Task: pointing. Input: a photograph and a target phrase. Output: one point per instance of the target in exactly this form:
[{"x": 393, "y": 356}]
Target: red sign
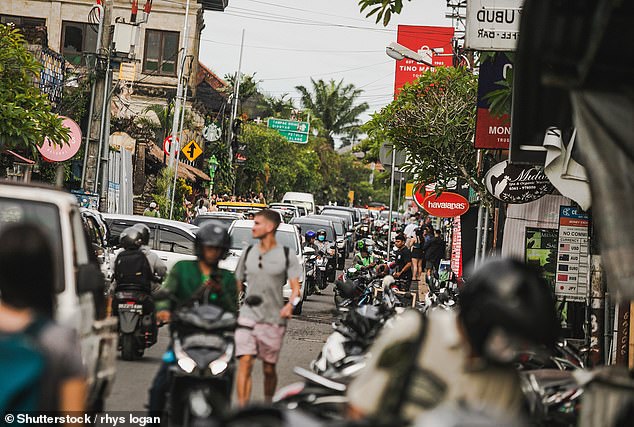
[
  {"x": 167, "y": 144},
  {"x": 420, "y": 192},
  {"x": 456, "y": 248},
  {"x": 446, "y": 205},
  {"x": 492, "y": 132},
  {"x": 420, "y": 39},
  {"x": 59, "y": 153}
]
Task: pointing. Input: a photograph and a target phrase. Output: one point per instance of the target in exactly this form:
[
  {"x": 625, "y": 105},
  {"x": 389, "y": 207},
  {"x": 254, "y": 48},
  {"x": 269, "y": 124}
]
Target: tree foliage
[
  {"x": 335, "y": 105},
  {"x": 25, "y": 113},
  {"x": 433, "y": 119},
  {"x": 383, "y": 9},
  {"x": 160, "y": 196}
]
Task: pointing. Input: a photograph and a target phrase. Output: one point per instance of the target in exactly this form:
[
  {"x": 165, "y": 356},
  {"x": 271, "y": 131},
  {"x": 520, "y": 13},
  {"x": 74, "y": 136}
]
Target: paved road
[{"x": 304, "y": 339}]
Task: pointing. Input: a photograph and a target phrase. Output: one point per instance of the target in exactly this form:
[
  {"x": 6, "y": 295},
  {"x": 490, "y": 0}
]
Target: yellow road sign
[{"x": 192, "y": 150}]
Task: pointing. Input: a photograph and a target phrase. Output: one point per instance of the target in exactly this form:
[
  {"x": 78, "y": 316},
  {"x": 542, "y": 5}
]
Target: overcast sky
[{"x": 289, "y": 41}]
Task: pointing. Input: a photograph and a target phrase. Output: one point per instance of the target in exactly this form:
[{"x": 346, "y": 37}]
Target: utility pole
[
  {"x": 179, "y": 89},
  {"x": 234, "y": 105},
  {"x": 97, "y": 122}
]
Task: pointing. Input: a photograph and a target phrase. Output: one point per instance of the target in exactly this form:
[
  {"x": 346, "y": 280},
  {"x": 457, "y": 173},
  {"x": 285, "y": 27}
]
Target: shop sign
[
  {"x": 60, "y": 153},
  {"x": 573, "y": 256},
  {"x": 492, "y": 132},
  {"x": 517, "y": 184},
  {"x": 493, "y": 24},
  {"x": 420, "y": 192},
  {"x": 446, "y": 205},
  {"x": 541, "y": 251}
]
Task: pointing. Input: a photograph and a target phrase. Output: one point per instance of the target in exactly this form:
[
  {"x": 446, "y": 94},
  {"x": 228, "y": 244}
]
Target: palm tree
[
  {"x": 280, "y": 107},
  {"x": 333, "y": 103},
  {"x": 165, "y": 116}
]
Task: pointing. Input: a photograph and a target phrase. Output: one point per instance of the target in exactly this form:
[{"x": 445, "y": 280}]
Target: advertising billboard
[
  {"x": 492, "y": 132},
  {"x": 420, "y": 39}
]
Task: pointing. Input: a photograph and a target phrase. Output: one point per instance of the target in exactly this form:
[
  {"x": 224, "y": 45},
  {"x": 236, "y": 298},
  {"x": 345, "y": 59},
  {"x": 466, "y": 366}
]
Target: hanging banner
[
  {"x": 573, "y": 256},
  {"x": 541, "y": 251},
  {"x": 492, "y": 24},
  {"x": 456, "y": 247},
  {"x": 421, "y": 39},
  {"x": 516, "y": 184},
  {"x": 492, "y": 132},
  {"x": 623, "y": 334}
]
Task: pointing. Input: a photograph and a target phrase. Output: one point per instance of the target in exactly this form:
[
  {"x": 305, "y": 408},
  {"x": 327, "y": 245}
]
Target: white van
[
  {"x": 79, "y": 283},
  {"x": 302, "y": 199}
]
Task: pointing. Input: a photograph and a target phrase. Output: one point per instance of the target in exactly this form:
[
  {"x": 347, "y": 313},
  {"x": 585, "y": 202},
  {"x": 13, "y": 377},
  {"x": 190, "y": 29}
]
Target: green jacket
[{"x": 185, "y": 278}]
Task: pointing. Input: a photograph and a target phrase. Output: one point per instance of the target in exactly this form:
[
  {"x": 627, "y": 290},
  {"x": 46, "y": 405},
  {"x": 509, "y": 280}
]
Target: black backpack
[{"x": 132, "y": 268}]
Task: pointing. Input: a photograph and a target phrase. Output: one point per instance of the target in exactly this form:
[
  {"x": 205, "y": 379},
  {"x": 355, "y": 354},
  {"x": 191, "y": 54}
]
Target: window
[
  {"x": 78, "y": 38},
  {"x": 20, "y": 21},
  {"x": 160, "y": 53},
  {"x": 175, "y": 242}
]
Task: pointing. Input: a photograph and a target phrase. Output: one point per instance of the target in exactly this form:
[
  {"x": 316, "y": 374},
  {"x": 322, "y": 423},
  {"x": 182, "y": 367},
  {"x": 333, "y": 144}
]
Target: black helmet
[
  {"x": 321, "y": 232},
  {"x": 145, "y": 232},
  {"x": 211, "y": 234},
  {"x": 131, "y": 238},
  {"x": 505, "y": 305}
]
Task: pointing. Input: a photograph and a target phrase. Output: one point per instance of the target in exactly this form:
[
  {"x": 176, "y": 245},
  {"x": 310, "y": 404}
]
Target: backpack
[
  {"x": 286, "y": 252},
  {"x": 23, "y": 368},
  {"x": 133, "y": 268}
]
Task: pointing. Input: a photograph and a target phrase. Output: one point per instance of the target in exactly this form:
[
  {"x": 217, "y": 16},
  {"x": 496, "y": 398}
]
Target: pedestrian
[
  {"x": 152, "y": 210},
  {"x": 189, "y": 213},
  {"x": 403, "y": 262},
  {"x": 213, "y": 207},
  {"x": 262, "y": 199},
  {"x": 201, "y": 208},
  {"x": 198, "y": 281},
  {"x": 40, "y": 361},
  {"x": 266, "y": 267},
  {"x": 417, "y": 262},
  {"x": 434, "y": 250}
]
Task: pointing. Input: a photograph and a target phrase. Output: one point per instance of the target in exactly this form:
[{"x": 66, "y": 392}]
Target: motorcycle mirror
[
  {"x": 309, "y": 251},
  {"x": 253, "y": 300}
]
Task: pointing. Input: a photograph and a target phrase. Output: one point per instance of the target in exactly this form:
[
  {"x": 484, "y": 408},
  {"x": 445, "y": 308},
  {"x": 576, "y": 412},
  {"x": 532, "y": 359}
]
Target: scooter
[
  {"x": 134, "y": 307},
  {"x": 310, "y": 261}
]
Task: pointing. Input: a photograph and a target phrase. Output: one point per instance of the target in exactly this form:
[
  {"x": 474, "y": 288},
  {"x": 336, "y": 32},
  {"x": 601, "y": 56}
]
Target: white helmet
[{"x": 153, "y": 205}]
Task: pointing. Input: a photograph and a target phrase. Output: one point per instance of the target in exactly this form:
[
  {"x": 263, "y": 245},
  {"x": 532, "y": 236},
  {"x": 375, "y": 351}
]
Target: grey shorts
[{"x": 263, "y": 340}]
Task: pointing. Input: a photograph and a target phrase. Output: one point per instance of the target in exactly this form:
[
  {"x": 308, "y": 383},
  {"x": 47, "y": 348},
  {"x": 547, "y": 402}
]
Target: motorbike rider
[
  {"x": 158, "y": 266},
  {"x": 322, "y": 244},
  {"x": 309, "y": 240},
  {"x": 131, "y": 241},
  {"x": 363, "y": 259},
  {"x": 463, "y": 357},
  {"x": 403, "y": 262},
  {"x": 198, "y": 280}
]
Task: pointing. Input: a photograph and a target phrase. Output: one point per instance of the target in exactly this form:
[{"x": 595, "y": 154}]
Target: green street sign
[
  {"x": 292, "y": 130},
  {"x": 300, "y": 138}
]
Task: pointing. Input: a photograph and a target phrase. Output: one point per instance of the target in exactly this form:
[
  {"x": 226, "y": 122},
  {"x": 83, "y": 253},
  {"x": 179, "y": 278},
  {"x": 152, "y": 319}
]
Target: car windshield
[
  {"x": 241, "y": 237},
  {"x": 307, "y": 225},
  {"x": 339, "y": 228}
]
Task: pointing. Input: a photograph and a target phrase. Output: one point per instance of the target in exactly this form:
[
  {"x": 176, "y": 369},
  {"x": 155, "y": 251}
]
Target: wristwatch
[{"x": 295, "y": 301}]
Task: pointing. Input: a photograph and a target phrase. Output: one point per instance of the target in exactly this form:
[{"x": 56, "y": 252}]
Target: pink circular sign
[{"x": 56, "y": 153}]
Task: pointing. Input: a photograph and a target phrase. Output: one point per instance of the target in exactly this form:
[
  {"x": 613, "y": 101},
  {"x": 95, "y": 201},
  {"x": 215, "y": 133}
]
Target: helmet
[
  {"x": 210, "y": 234},
  {"x": 131, "y": 238},
  {"x": 310, "y": 234},
  {"x": 321, "y": 235},
  {"x": 152, "y": 205},
  {"x": 505, "y": 305},
  {"x": 362, "y": 246},
  {"x": 145, "y": 232}
]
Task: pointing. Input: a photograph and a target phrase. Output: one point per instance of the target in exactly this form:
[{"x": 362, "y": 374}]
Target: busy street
[{"x": 299, "y": 213}]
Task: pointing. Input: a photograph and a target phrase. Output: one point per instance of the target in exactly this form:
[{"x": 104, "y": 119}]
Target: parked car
[
  {"x": 356, "y": 212},
  {"x": 173, "y": 241},
  {"x": 223, "y": 218},
  {"x": 283, "y": 208},
  {"x": 301, "y": 199},
  {"x": 79, "y": 285},
  {"x": 287, "y": 235},
  {"x": 97, "y": 231}
]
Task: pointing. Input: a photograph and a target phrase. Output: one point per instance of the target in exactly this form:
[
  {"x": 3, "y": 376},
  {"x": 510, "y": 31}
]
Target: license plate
[
  {"x": 322, "y": 268},
  {"x": 131, "y": 307}
]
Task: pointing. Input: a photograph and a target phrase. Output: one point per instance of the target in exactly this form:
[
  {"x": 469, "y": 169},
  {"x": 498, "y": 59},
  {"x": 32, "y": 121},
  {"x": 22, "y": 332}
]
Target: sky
[{"x": 289, "y": 41}]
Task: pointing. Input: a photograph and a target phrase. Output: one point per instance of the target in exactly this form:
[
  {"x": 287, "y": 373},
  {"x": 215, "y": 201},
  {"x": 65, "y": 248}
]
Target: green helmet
[{"x": 362, "y": 246}]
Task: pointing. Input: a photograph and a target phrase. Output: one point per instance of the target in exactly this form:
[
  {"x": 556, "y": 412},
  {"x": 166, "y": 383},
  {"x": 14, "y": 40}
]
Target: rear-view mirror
[{"x": 309, "y": 251}]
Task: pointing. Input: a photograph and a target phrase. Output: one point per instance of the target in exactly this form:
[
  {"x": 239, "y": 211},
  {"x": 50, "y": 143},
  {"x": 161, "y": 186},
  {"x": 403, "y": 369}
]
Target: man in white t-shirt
[{"x": 201, "y": 208}]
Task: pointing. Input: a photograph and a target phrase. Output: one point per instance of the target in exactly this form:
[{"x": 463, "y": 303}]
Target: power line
[
  {"x": 329, "y": 73},
  {"x": 295, "y": 50}
]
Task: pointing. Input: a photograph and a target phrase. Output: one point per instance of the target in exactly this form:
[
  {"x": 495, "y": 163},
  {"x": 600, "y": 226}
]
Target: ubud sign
[
  {"x": 446, "y": 205},
  {"x": 517, "y": 184}
]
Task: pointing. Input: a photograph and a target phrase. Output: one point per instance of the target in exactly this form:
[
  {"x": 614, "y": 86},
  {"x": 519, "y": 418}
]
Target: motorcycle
[
  {"x": 354, "y": 288},
  {"x": 321, "y": 272},
  {"x": 202, "y": 352},
  {"x": 134, "y": 307},
  {"x": 310, "y": 261}
]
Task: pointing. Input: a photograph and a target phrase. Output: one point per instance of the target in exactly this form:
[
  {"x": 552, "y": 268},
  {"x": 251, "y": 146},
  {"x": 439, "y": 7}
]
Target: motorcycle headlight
[{"x": 218, "y": 366}]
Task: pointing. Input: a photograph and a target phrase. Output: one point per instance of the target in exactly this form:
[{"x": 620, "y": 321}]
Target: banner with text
[
  {"x": 419, "y": 39},
  {"x": 573, "y": 256},
  {"x": 492, "y": 132}
]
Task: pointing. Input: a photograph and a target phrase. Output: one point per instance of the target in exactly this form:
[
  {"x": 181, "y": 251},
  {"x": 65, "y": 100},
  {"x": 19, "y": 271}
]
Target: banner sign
[
  {"x": 573, "y": 256},
  {"x": 419, "y": 39},
  {"x": 492, "y": 132},
  {"x": 541, "y": 251},
  {"x": 493, "y": 24},
  {"x": 517, "y": 184},
  {"x": 456, "y": 247},
  {"x": 446, "y": 205}
]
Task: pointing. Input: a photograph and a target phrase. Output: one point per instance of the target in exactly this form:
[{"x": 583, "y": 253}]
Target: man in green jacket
[{"x": 200, "y": 280}]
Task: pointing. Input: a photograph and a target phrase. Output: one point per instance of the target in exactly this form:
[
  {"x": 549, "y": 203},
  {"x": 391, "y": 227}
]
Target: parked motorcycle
[{"x": 355, "y": 288}]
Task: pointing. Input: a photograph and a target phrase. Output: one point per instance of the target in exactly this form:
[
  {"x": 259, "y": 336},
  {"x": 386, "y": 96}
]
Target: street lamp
[
  {"x": 399, "y": 52},
  {"x": 213, "y": 167}
]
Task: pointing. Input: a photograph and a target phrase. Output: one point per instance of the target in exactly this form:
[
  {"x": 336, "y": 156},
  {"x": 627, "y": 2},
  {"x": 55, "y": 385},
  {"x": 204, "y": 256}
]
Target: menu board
[{"x": 573, "y": 257}]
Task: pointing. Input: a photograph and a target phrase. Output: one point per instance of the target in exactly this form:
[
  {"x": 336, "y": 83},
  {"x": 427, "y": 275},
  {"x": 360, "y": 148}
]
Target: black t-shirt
[{"x": 403, "y": 256}]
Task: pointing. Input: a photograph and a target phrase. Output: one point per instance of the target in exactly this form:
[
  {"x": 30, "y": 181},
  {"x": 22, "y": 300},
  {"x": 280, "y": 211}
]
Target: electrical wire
[
  {"x": 347, "y": 52},
  {"x": 328, "y": 73}
]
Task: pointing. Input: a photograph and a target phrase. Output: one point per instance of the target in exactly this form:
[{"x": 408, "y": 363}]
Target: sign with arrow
[{"x": 192, "y": 150}]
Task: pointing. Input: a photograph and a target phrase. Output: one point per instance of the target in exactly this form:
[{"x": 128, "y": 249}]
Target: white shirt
[
  {"x": 410, "y": 229},
  {"x": 200, "y": 210}
]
